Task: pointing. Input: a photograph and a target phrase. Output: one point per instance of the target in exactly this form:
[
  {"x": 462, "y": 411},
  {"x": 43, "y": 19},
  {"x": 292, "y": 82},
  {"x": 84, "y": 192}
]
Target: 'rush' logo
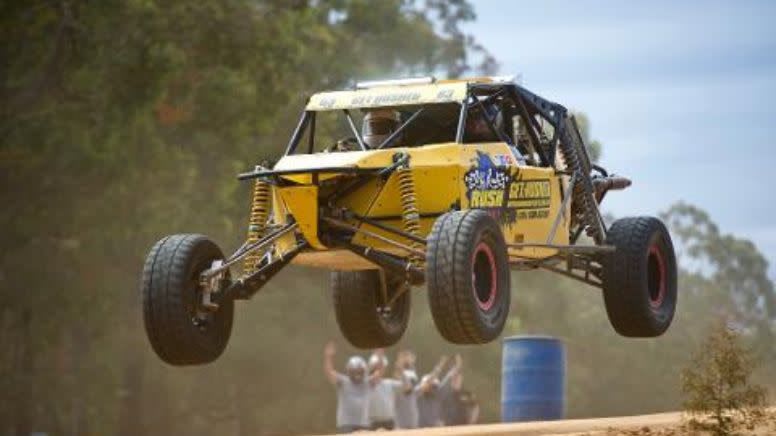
[{"x": 488, "y": 198}]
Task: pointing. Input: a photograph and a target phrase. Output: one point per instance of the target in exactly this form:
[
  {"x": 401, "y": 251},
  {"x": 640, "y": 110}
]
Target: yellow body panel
[
  {"x": 302, "y": 203},
  {"x": 280, "y": 215},
  {"x": 523, "y": 199}
]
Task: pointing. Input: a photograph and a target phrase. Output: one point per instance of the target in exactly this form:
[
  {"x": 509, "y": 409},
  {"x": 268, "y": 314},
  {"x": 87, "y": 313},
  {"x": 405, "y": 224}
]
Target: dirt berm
[{"x": 592, "y": 426}]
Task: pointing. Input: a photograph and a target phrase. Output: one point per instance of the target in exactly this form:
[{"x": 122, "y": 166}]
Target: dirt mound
[{"x": 659, "y": 424}]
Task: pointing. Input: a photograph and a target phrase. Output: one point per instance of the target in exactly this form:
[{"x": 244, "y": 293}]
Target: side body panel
[{"x": 523, "y": 199}]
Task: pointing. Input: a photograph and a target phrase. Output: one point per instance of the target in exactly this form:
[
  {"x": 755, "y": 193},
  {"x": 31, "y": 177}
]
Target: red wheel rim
[
  {"x": 484, "y": 284},
  {"x": 656, "y": 269}
]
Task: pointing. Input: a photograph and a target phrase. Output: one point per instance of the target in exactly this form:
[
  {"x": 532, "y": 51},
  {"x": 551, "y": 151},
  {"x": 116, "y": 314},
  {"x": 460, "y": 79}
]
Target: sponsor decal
[
  {"x": 495, "y": 187},
  {"x": 529, "y": 193},
  {"x": 389, "y": 96},
  {"x": 387, "y": 99},
  {"x": 327, "y": 102},
  {"x": 486, "y": 183},
  {"x": 504, "y": 159}
]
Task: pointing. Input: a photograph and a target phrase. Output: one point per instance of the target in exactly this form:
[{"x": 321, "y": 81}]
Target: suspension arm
[
  {"x": 258, "y": 245},
  {"x": 245, "y": 287},
  {"x": 389, "y": 262},
  {"x": 345, "y": 226}
]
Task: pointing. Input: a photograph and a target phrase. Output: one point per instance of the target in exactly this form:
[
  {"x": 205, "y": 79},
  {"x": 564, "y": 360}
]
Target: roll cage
[
  {"x": 530, "y": 144},
  {"x": 542, "y": 128}
]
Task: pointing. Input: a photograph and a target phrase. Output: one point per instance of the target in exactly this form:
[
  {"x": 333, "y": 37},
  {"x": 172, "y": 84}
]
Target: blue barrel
[{"x": 533, "y": 379}]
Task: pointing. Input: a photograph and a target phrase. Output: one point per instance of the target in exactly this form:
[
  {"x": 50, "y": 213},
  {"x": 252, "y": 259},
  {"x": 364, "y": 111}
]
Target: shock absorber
[
  {"x": 584, "y": 207},
  {"x": 409, "y": 208},
  {"x": 257, "y": 223}
]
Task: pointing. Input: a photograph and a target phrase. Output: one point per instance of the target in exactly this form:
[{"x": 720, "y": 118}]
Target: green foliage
[
  {"x": 716, "y": 383},
  {"x": 735, "y": 271},
  {"x": 126, "y": 120},
  {"x": 594, "y": 147}
]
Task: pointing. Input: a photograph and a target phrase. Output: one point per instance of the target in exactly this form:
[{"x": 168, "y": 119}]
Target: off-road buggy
[{"x": 440, "y": 202}]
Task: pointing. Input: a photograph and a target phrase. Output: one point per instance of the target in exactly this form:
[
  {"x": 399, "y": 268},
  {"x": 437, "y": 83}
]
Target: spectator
[
  {"x": 459, "y": 406},
  {"x": 432, "y": 391},
  {"x": 352, "y": 391},
  {"x": 382, "y": 411},
  {"x": 405, "y": 360},
  {"x": 406, "y": 397},
  {"x": 406, "y": 400}
]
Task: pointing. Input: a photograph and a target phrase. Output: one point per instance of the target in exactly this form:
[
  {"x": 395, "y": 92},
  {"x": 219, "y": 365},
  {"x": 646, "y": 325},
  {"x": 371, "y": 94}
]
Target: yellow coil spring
[
  {"x": 409, "y": 205},
  {"x": 257, "y": 223}
]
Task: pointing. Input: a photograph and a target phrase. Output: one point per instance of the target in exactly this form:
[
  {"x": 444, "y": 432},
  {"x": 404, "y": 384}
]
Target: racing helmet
[
  {"x": 378, "y": 125},
  {"x": 477, "y": 126},
  {"x": 356, "y": 368}
]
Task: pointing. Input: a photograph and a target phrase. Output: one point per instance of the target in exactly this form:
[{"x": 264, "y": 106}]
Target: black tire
[
  {"x": 467, "y": 274},
  {"x": 171, "y": 302},
  {"x": 639, "y": 278},
  {"x": 357, "y": 298}
]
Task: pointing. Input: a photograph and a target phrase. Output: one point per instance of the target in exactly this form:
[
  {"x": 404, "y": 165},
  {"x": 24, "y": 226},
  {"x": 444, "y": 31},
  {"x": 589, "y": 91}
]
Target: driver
[
  {"x": 378, "y": 126},
  {"x": 478, "y": 128}
]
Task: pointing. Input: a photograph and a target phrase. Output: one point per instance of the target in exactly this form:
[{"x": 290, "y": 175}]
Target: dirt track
[
  {"x": 642, "y": 425},
  {"x": 593, "y": 426}
]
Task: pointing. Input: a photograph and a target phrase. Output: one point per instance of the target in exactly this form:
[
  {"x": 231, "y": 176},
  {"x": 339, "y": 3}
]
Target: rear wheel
[
  {"x": 362, "y": 314},
  {"x": 467, "y": 273},
  {"x": 639, "y": 278},
  {"x": 180, "y": 329}
]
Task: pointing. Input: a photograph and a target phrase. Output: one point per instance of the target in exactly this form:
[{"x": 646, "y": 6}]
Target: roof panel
[{"x": 389, "y": 96}]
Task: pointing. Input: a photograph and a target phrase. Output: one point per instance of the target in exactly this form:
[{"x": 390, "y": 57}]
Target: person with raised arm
[
  {"x": 406, "y": 399},
  {"x": 432, "y": 392},
  {"x": 352, "y": 390},
  {"x": 459, "y": 405},
  {"x": 382, "y": 393}
]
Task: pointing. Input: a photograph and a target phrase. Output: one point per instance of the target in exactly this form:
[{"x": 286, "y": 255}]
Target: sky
[{"x": 681, "y": 94}]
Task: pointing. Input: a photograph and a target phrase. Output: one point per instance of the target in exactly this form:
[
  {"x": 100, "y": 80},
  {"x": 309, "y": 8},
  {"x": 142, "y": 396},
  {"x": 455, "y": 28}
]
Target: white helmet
[
  {"x": 377, "y": 359},
  {"x": 378, "y": 125},
  {"x": 410, "y": 377},
  {"x": 356, "y": 368},
  {"x": 355, "y": 362}
]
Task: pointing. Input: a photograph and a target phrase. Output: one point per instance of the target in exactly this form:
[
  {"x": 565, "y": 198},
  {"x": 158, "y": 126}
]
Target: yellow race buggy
[{"x": 451, "y": 184}]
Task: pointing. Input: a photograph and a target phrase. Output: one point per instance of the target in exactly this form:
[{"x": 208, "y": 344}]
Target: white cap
[
  {"x": 376, "y": 359},
  {"x": 356, "y": 362},
  {"x": 410, "y": 376}
]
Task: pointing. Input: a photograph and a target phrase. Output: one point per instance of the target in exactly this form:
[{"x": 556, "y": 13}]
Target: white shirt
[
  {"x": 352, "y": 402},
  {"x": 381, "y": 400}
]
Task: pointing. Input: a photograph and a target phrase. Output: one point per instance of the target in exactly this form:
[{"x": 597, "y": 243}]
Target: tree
[
  {"x": 123, "y": 121},
  {"x": 736, "y": 271},
  {"x": 716, "y": 382},
  {"x": 594, "y": 146},
  {"x": 127, "y": 120}
]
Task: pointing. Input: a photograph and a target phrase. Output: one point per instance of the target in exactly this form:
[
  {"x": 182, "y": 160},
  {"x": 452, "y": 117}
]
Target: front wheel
[
  {"x": 180, "y": 330},
  {"x": 639, "y": 277},
  {"x": 467, "y": 273}
]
